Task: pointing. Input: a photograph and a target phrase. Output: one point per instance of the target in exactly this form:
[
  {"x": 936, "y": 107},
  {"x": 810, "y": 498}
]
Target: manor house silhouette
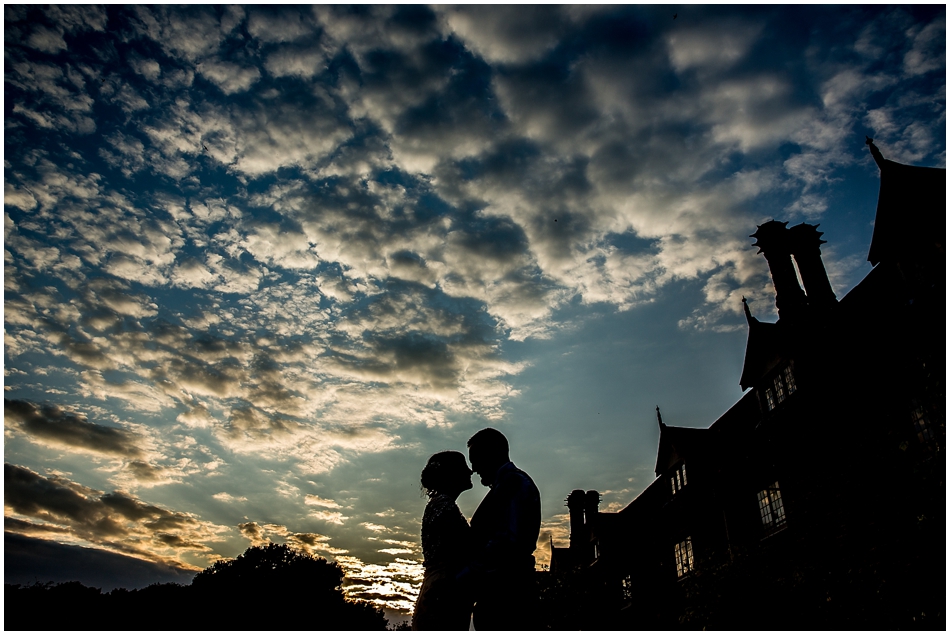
[{"x": 818, "y": 499}]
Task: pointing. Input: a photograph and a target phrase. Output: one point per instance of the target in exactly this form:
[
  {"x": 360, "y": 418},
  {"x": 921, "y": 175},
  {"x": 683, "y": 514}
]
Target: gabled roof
[
  {"x": 679, "y": 443},
  {"x": 911, "y": 209},
  {"x": 762, "y": 349}
]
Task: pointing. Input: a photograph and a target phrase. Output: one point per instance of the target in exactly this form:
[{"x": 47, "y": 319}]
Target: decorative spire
[
  {"x": 748, "y": 313},
  {"x": 878, "y": 157},
  {"x": 659, "y": 417}
]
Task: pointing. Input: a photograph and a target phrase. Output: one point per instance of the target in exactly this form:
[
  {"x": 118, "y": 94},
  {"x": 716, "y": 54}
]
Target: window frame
[
  {"x": 684, "y": 558},
  {"x": 922, "y": 424},
  {"x": 678, "y": 479},
  {"x": 772, "y": 512},
  {"x": 778, "y": 387}
]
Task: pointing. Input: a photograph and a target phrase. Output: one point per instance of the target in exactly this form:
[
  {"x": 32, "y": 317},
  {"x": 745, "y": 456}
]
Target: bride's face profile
[
  {"x": 465, "y": 475},
  {"x": 459, "y": 478},
  {"x": 447, "y": 473}
]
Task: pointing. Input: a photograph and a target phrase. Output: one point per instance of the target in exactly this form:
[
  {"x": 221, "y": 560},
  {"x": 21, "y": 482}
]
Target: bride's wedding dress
[{"x": 442, "y": 606}]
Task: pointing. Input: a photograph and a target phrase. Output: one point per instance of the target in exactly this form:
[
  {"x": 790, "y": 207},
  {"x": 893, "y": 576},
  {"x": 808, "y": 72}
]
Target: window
[
  {"x": 780, "y": 388},
  {"x": 678, "y": 480},
  {"x": 921, "y": 423},
  {"x": 627, "y": 587},
  {"x": 684, "y": 557},
  {"x": 771, "y": 508}
]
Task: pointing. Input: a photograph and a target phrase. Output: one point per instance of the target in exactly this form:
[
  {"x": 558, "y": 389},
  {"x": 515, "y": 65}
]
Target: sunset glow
[{"x": 260, "y": 263}]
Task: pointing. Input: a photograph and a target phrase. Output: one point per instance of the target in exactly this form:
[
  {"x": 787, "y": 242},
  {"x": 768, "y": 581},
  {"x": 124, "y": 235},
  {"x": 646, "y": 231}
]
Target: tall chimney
[
  {"x": 579, "y": 535},
  {"x": 805, "y": 242},
  {"x": 773, "y": 242},
  {"x": 591, "y": 506}
]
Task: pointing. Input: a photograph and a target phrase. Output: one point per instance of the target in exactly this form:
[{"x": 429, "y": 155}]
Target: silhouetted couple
[{"x": 488, "y": 565}]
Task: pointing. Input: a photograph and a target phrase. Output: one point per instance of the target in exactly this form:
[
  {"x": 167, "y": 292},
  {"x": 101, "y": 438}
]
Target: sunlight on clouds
[
  {"x": 316, "y": 501},
  {"x": 298, "y": 242},
  {"x": 374, "y": 527},
  {"x": 224, "y": 497},
  {"x": 114, "y": 521},
  {"x": 394, "y": 585},
  {"x": 336, "y": 518}
]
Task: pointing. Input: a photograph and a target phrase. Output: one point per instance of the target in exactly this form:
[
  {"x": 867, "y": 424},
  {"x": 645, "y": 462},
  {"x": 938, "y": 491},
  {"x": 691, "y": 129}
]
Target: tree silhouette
[
  {"x": 271, "y": 587},
  {"x": 308, "y": 590}
]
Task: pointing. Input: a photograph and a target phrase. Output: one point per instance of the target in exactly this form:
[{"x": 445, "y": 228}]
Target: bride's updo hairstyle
[{"x": 441, "y": 470}]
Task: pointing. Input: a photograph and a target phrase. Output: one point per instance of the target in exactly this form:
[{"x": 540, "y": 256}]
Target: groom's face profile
[{"x": 483, "y": 464}]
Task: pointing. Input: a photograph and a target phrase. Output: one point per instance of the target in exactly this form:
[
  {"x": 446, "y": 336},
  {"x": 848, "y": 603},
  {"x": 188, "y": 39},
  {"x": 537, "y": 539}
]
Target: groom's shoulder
[{"x": 515, "y": 477}]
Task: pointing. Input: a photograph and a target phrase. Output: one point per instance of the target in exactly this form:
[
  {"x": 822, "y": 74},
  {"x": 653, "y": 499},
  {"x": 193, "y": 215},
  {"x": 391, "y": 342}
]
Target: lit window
[
  {"x": 678, "y": 480},
  {"x": 779, "y": 383},
  {"x": 789, "y": 379},
  {"x": 684, "y": 557},
  {"x": 782, "y": 386},
  {"x": 771, "y": 508},
  {"x": 921, "y": 422},
  {"x": 627, "y": 587}
]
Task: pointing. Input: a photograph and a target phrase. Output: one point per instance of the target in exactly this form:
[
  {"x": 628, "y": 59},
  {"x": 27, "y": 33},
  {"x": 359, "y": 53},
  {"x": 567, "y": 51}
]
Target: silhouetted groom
[{"x": 505, "y": 531}]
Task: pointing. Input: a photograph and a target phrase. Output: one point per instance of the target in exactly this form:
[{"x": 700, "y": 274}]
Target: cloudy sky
[{"x": 261, "y": 263}]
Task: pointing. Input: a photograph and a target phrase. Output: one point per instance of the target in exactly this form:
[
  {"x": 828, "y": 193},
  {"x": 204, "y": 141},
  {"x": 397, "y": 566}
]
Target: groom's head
[{"x": 487, "y": 451}]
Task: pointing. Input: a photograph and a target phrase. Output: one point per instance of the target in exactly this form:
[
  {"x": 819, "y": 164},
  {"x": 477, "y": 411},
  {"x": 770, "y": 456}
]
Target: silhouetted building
[{"x": 818, "y": 499}]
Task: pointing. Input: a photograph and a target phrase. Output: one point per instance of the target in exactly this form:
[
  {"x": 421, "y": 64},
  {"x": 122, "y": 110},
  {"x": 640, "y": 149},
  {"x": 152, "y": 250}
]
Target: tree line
[{"x": 270, "y": 587}]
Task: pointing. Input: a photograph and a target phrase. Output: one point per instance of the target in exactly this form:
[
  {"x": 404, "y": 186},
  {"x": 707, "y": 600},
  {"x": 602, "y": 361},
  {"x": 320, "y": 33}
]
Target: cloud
[
  {"x": 507, "y": 35},
  {"x": 188, "y": 35},
  {"x": 928, "y": 52},
  {"x": 46, "y": 40},
  {"x": 287, "y": 25},
  {"x": 114, "y": 521},
  {"x": 394, "y": 585},
  {"x": 335, "y": 518},
  {"x": 716, "y": 45},
  {"x": 308, "y": 542},
  {"x": 150, "y": 69},
  {"x": 374, "y": 527},
  {"x": 254, "y": 533},
  {"x": 51, "y": 424},
  {"x": 76, "y": 18},
  {"x": 229, "y": 77},
  {"x": 296, "y": 62},
  {"x": 317, "y": 501},
  {"x": 224, "y": 497},
  {"x": 326, "y": 247}
]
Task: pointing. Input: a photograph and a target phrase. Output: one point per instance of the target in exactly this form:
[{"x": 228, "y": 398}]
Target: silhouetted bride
[{"x": 442, "y": 605}]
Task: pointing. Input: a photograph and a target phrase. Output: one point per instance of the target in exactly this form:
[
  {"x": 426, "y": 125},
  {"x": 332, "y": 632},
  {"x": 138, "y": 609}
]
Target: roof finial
[
  {"x": 659, "y": 417},
  {"x": 748, "y": 313},
  {"x": 878, "y": 157}
]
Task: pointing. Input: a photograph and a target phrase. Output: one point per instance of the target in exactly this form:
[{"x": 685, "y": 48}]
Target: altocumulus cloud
[{"x": 263, "y": 251}]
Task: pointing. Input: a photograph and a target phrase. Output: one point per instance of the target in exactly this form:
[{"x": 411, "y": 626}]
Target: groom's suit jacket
[{"x": 506, "y": 525}]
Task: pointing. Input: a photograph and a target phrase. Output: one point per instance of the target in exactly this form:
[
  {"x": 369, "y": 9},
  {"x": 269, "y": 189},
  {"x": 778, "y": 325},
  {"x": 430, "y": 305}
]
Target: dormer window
[
  {"x": 779, "y": 388},
  {"x": 678, "y": 480}
]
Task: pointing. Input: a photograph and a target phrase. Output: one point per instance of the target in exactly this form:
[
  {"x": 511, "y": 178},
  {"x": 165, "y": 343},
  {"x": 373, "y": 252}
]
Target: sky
[{"x": 261, "y": 262}]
